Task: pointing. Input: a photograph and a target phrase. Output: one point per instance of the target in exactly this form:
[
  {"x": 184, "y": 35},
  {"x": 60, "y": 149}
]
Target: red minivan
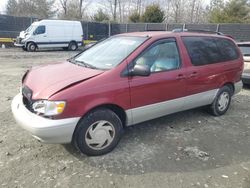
[{"x": 124, "y": 80}]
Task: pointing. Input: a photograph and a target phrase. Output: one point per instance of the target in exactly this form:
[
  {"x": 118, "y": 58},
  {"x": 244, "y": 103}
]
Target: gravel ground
[{"x": 187, "y": 149}]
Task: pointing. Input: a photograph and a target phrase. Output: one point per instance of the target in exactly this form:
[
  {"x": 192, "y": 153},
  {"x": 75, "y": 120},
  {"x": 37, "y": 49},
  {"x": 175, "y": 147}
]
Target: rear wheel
[
  {"x": 31, "y": 47},
  {"x": 72, "y": 46},
  {"x": 98, "y": 132},
  {"x": 222, "y": 101}
]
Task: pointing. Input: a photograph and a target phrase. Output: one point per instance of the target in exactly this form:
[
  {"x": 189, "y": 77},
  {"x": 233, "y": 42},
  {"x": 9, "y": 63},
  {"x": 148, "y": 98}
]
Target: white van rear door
[{"x": 77, "y": 33}]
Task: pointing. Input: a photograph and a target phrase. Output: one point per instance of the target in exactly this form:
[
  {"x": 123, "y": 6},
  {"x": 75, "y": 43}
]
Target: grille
[
  {"x": 27, "y": 97},
  {"x": 27, "y": 103},
  {"x": 18, "y": 40}
]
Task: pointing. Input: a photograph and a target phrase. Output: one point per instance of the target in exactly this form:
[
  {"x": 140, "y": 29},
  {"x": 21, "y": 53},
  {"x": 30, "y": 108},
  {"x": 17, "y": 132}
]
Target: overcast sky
[{"x": 2, "y": 5}]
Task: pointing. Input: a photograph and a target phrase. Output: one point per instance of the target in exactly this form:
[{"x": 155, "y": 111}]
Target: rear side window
[
  {"x": 209, "y": 50},
  {"x": 227, "y": 49}
]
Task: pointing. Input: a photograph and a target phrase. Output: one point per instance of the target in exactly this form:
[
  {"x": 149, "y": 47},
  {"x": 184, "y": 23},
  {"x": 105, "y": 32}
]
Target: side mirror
[{"x": 140, "y": 70}]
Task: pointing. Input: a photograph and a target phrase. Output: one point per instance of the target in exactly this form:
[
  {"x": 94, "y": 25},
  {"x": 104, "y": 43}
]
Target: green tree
[
  {"x": 216, "y": 11},
  {"x": 234, "y": 11},
  {"x": 100, "y": 16},
  {"x": 153, "y": 14},
  {"x": 237, "y": 11},
  {"x": 134, "y": 17}
]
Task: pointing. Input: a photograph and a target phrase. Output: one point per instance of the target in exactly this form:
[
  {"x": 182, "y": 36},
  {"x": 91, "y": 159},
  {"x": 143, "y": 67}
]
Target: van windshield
[
  {"x": 110, "y": 52},
  {"x": 29, "y": 29}
]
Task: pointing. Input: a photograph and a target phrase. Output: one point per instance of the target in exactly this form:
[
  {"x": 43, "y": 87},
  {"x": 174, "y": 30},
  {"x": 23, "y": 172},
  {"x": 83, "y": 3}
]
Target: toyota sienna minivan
[{"x": 124, "y": 80}]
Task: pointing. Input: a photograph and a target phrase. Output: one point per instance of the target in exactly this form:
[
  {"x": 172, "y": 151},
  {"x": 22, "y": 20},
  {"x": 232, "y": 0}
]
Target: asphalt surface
[{"x": 187, "y": 149}]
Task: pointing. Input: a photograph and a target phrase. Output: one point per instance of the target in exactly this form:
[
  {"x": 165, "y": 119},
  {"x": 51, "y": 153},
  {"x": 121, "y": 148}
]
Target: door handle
[
  {"x": 193, "y": 74},
  {"x": 181, "y": 77}
]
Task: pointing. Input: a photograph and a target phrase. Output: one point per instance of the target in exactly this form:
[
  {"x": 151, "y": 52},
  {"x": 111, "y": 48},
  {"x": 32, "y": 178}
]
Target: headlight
[
  {"x": 49, "y": 108},
  {"x": 23, "y": 39}
]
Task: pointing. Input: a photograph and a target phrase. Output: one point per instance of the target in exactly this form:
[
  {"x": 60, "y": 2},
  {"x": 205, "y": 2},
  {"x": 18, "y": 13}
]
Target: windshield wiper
[
  {"x": 89, "y": 65},
  {"x": 82, "y": 63}
]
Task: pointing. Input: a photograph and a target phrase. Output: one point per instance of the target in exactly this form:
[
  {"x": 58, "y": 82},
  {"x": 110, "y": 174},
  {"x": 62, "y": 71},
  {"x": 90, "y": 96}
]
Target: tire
[
  {"x": 221, "y": 102},
  {"x": 31, "y": 47},
  {"x": 72, "y": 46},
  {"x": 24, "y": 48},
  {"x": 98, "y": 132}
]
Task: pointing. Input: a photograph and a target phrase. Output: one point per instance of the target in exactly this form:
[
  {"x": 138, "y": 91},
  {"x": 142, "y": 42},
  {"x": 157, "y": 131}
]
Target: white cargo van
[{"x": 51, "y": 34}]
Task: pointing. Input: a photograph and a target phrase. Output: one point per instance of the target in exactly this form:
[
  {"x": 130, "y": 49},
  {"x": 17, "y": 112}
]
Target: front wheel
[
  {"x": 24, "y": 48},
  {"x": 98, "y": 132},
  {"x": 31, "y": 47},
  {"x": 221, "y": 102}
]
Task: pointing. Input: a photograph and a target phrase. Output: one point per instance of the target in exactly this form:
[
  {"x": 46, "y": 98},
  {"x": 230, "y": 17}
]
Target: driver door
[
  {"x": 160, "y": 93},
  {"x": 40, "y": 36}
]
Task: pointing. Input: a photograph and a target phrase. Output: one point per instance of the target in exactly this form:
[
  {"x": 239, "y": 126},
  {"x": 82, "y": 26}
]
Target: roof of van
[{"x": 57, "y": 21}]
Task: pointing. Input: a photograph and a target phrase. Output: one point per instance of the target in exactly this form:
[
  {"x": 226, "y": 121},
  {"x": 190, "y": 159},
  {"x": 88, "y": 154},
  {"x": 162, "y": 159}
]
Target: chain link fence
[{"x": 10, "y": 27}]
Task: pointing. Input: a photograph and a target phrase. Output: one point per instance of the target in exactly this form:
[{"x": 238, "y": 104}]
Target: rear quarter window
[
  {"x": 227, "y": 49},
  {"x": 210, "y": 50}
]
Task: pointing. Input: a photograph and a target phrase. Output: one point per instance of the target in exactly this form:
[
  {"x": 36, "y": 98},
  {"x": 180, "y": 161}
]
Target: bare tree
[
  {"x": 177, "y": 10},
  {"x": 74, "y": 9},
  {"x": 120, "y": 11},
  {"x": 80, "y": 8},
  {"x": 183, "y": 11},
  {"x": 200, "y": 13},
  {"x": 11, "y": 7},
  {"x": 113, "y": 8},
  {"x": 138, "y": 6},
  {"x": 193, "y": 5},
  {"x": 195, "y": 14},
  {"x": 64, "y": 6},
  {"x": 35, "y": 8}
]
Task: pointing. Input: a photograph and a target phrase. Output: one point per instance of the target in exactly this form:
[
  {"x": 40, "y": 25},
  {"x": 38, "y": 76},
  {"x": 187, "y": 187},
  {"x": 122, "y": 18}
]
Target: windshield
[
  {"x": 28, "y": 29},
  {"x": 110, "y": 52},
  {"x": 245, "y": 50}
]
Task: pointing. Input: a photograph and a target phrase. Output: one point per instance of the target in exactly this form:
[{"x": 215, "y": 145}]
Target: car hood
[{"x": 46, "y": 80}]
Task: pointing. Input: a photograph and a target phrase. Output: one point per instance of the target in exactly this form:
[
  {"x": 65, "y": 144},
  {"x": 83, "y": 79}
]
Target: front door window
[{"x": 162, "y": 56}]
